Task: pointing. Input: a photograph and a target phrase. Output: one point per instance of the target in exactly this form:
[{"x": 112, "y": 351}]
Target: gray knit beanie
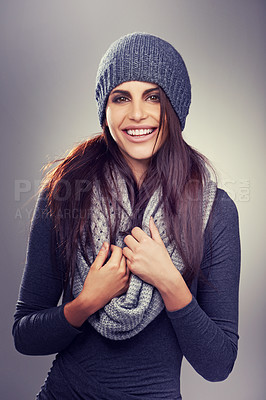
[{"x": 147, "y": 58}]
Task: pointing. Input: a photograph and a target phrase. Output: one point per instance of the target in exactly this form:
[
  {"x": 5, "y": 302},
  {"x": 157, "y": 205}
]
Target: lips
[{"x": 139, "y": 131}]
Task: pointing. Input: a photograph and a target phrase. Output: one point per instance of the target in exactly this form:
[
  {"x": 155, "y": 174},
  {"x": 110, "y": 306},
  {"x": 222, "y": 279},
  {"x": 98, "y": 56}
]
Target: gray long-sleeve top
[{"x": 146, "y": 366}]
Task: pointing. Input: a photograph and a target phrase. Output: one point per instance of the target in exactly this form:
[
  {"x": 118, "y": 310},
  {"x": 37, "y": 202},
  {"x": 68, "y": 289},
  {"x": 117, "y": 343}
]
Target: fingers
[
  {"x": 116, "y": 254},
  {"x": 123, "y": 264},
  {"x": 101, "y": 256},
  {"x": 127, "y": 253},
  {"x": 117, "y": 258},
  {"x": 138, "y": 234},
  {"x": 131, "y": 242},
  {"x": 127, "y": 269},
  {"x": 155, "y": 235}
]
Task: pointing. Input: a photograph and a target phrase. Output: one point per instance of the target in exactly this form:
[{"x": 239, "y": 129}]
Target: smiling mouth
[{"x": 139, "y": 132}]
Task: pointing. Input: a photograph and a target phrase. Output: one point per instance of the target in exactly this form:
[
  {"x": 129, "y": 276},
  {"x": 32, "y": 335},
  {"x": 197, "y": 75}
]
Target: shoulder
[
  {"x": 42, "y": 210},
  {"x": 223, "y": 222},
  {"x": 224, "y": 208},
  {"x": 41, "y": 222}
]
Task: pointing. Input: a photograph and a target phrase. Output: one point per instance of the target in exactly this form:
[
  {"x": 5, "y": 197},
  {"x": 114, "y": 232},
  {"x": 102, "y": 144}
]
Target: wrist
[
  {"x": 78, "y": 310},
  {"x": 175, "y": 292}
]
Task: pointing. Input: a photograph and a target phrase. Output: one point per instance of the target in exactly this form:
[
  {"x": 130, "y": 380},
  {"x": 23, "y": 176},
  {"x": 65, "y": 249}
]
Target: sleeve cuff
[
  {"x": 66, "y": 325},
  {"x": 183, "y": 312}
]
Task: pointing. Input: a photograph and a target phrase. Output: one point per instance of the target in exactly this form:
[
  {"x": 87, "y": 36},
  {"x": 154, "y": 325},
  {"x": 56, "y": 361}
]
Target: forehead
[{"x": 135, "y": 85}]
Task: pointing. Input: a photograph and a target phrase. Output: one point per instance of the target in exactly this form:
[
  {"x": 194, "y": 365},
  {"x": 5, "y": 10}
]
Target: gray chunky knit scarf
[{"x": 125, "y": 316}]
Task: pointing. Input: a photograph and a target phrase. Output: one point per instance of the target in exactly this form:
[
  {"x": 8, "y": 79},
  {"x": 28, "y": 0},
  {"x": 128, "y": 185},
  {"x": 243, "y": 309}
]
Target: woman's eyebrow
[
  {"x": 154, "y": 89},
  {"x": 127, "y": 93},
  {"x": 124, "y": 92}
]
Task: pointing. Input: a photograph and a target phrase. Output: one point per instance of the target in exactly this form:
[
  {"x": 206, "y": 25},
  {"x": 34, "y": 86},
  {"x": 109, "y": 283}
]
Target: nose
[{"x": 137, "y": 111}]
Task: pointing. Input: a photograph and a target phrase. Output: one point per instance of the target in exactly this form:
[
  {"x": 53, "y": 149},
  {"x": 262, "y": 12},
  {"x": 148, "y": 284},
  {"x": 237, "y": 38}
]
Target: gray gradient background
[{"x": 49, "y": 55}]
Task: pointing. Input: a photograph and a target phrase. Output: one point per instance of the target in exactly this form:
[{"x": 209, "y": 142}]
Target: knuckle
[
  {"x": 133, "y": 258},
  {"x": 145, "y": 239},
  {"x": 121, "y": 277},
  {"x": 114, "y": 266}
]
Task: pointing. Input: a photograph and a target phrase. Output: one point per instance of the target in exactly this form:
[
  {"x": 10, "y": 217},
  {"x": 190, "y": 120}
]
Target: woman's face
[{"x": 133, "y": 118}]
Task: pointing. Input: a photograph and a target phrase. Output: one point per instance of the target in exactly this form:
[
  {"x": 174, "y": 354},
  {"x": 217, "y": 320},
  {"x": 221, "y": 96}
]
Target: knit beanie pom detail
[{"x": 147, "y": 58}]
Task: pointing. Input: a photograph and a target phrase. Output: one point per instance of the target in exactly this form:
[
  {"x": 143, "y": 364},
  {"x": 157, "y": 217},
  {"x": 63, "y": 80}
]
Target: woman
[{"x": 145, "y": 249}]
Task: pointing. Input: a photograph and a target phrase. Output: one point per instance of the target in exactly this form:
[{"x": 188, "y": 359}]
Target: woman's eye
[
  {"x": 120, "y": 99},
  {"x": 154, "y": 98}
]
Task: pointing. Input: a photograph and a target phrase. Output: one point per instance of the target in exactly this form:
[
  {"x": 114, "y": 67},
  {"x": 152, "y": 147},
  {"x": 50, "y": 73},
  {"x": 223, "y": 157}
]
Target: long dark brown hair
[{"x": 179, "y": 169}]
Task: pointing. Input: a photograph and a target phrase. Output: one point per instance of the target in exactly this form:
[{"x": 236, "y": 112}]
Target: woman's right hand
[
  {"x": 103, "y": 282},
  {"x": 109, "y": 280}
]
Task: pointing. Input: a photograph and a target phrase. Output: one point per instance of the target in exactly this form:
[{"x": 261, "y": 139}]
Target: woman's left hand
[{"x": 147, "y": 257}]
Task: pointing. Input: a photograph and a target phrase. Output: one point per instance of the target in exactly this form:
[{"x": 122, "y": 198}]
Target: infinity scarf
[{"x": 127, "y": 315}]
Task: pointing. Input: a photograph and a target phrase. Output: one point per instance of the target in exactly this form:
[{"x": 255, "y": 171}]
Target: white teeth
[{"x": 139, "y": 132}]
